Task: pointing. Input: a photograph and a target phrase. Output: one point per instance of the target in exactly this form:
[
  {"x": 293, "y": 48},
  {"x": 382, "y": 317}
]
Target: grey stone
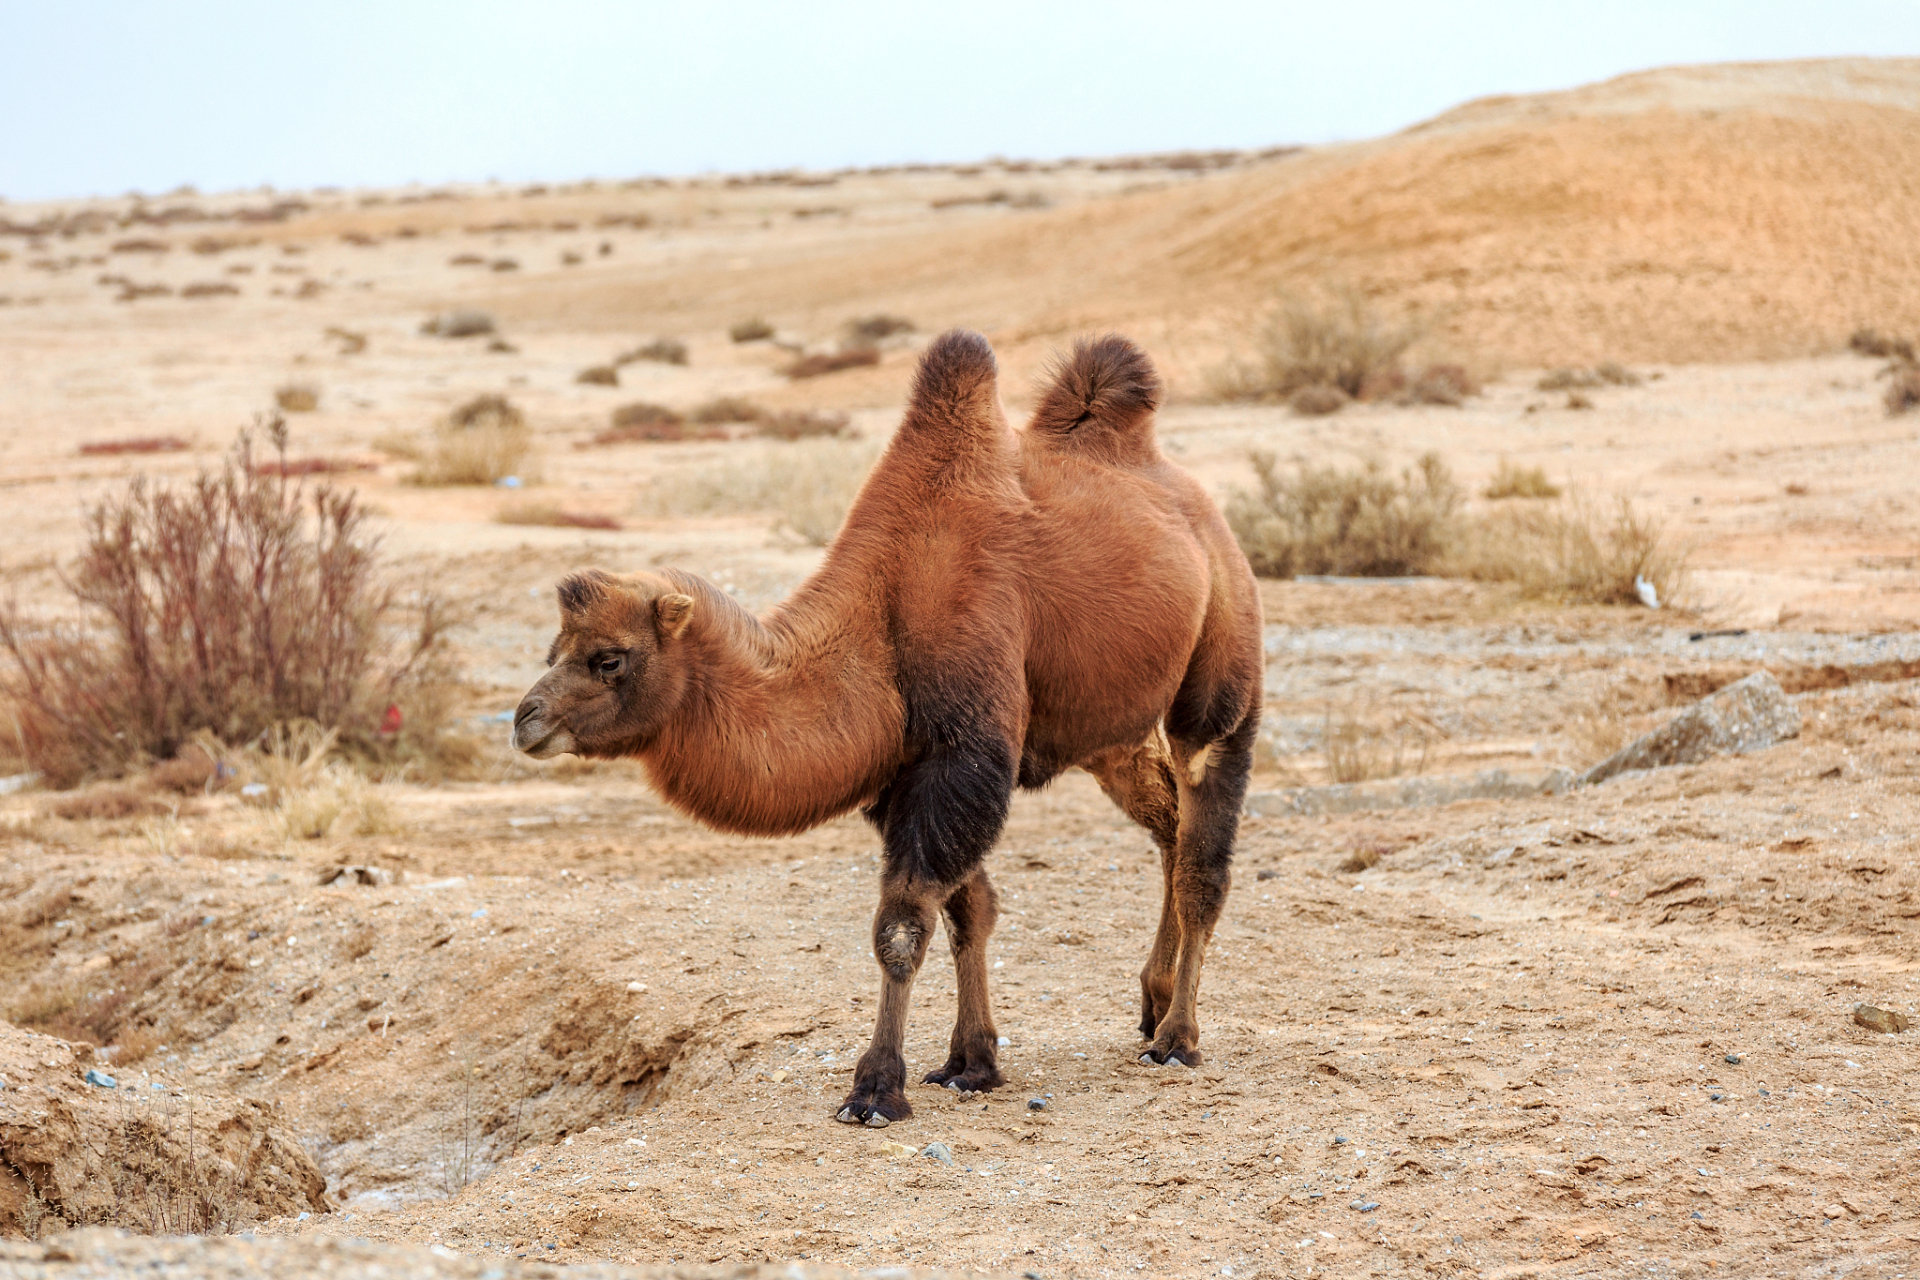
[
  {"x": 1036, "y": 1104},
  {"x": 1748, "y": 715},
  {"x": 1364, "y": 1206},
  {"x": 938, "y": 1151},
  {"x": 100, "y": 1079},
  {"x": 1409, "y": 793}
]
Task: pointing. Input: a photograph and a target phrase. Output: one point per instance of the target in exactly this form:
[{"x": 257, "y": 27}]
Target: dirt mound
[{"x": 77, "y": 1152}]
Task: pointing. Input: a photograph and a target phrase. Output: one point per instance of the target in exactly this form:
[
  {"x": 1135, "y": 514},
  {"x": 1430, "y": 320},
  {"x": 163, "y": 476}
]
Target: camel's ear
[
  {"x": 580, "y": 592},
  {"x": 672, "y": 614}
]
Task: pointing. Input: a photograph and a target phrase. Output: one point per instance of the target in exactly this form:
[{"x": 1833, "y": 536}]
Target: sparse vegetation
[
  {"x": 208, "y": 289},
  {"x": 297, "y": 397},
  {"x": 1903, "y": 389},
  {"x": 726, "y": 409},
  {"x": 598, "y": 375},
  {"x": 1318, "y": 401},
  {"x": 645, "y": 423},
  {"x": 135, "y": 444},
  {"x": 1608, "y": 374},
  {"x": 1335, "y": 341},
  {"x": 864, "y": 331},
  {"x": 798, "y": 424},
  {"x": 229, "y": 605},
  {"x": 1580, "y": 549},
  {"x": 553, "y": 516},
  {"x": 458, "y": 324},
  {"x": 1364, "y": 522},
  {"x": 352, "y": 342},
  {"x": 483, "y": 441},
  {"x": 754, "y": 330},
  {"x": 1360, "y": 747},
  {"x": 807, "y": 485},
  {"x": 660, "y": 351},
  {"x": 1510, "y": 481},
  {"x": 814, "y": 366},
  {"x": 1881, "y": 346}
]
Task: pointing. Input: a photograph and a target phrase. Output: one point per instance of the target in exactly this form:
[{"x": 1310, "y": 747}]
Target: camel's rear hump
[{"x": 1102, "y": 401}]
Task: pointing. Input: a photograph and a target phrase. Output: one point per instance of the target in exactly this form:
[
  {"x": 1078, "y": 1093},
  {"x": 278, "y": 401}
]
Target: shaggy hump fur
[{"x": 1105, "y": 382}]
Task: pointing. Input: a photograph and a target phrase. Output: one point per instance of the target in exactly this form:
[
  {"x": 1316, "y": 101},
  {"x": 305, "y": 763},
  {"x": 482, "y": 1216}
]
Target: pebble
[
  {"x": 938, "y": 1151},
  {"x": 636, "y": 987},
  {"x": 1339, "y": 1141},
  {"x": 101, "y": 1079},
  {"x": 1733, "y": 1059},
  {"x": 1364, "y": 1206},
  {"x": 1835, "y": 1211},
  {"x": 1885, "y": 1021},
  {"x": 1003, "y": 1042},
  {"x": 1036, "y": 1104}
]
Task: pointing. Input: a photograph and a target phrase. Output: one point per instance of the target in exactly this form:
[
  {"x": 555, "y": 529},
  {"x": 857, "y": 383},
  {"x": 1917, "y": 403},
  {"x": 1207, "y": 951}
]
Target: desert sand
[{"x": 1600, "y": 1032}]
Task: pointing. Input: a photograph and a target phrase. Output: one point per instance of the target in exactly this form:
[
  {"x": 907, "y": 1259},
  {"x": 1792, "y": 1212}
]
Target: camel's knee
[
  {"x": 972, "y": 910},
  {"x": 901, "y": 932}
]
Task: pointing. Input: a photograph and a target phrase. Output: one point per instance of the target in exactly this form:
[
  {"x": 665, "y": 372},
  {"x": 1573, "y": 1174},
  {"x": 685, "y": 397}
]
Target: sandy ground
[{"x": 1601, "y": 1033}]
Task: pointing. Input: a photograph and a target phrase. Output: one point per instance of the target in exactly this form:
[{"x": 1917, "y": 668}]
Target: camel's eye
[{"x": 608, "y": 665}]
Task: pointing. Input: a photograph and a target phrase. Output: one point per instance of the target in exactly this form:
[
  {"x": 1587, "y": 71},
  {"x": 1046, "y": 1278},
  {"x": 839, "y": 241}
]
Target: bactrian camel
[{"x": 999, "y": 607}]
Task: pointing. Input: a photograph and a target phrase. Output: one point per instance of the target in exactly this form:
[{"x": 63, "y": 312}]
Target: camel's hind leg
[
  {"x": 1140, "y": 780},
  {"x": 973, "y": 1055},
  {"x": 1212, "y": 781}
]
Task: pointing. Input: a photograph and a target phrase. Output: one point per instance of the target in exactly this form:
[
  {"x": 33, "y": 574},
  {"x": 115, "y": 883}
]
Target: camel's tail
[{"x": 1103, "y": 395}]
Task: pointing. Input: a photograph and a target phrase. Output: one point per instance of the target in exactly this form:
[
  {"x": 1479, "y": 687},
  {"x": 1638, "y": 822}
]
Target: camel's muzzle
[{"x": 534, "y": 734}]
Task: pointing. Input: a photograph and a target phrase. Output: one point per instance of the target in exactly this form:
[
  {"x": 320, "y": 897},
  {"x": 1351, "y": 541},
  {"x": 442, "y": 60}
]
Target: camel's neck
[{"x": 786, "y": 722}]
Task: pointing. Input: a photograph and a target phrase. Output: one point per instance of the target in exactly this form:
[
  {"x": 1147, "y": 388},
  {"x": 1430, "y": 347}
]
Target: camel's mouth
[{"x": 533, "y": 735}]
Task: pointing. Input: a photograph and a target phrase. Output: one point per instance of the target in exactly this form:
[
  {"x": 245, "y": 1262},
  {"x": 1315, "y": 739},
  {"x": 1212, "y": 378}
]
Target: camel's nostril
[{"x": 527, "y": 708}]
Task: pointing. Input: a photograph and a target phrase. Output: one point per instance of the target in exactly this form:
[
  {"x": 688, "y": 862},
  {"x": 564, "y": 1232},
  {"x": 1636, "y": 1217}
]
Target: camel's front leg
[
  {"x": 973, "y": 1054},
  {"x": 902, "y": 928},
  {"x": 937, "y": 820}
]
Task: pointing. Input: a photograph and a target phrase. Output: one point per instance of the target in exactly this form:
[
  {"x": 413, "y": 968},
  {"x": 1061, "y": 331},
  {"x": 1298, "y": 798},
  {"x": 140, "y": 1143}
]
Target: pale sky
[{"x": 107, "y": 97}]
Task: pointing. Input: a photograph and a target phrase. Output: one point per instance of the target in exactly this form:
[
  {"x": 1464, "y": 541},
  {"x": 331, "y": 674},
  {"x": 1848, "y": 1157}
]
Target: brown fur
[{"x": 999, "y": 607}]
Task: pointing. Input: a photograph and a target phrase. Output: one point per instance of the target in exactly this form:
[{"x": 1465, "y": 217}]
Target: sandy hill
[{"x": 1745, "y": 211}]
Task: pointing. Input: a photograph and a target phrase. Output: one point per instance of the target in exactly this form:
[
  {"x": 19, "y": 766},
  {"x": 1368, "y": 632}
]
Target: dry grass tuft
[
  {"x": 1361, "y": 747},
  {"x": 754, "y": 330},
  {"x": 660, "y": 351},
  {"x": 644, "y": 423},
  {"x": 864, "y": 331},
  {"x": 726, "y": 409},
  {"x": 1510, "y": 481},
  {"x": 551, "y": 515},
  {"x": 458, "y": 324},
  {"x": 1318, "y": 401},
  {"x": 1881, "y": 346},
  {"x": 1364, "y": 522},
  {"x": 1581, "y": 550},
  {"x": 799, "y": 424},
  {"x": 815, "y": 366},
  {"x": 598, "y": 375},
  {"x": 228, "y": 605},
  {"x": 1336, "y": 340},
  {"x": 1903, "y": 390},
  {"x": 135, "y": 444},
  {"x": 807, "y": 486},
  {"x": 482, "y": 441},
  {"x": 1607, "y": 374}
]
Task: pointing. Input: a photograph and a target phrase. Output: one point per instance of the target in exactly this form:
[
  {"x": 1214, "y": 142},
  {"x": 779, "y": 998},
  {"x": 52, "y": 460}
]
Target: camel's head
[{"x": 613, "y": 675}]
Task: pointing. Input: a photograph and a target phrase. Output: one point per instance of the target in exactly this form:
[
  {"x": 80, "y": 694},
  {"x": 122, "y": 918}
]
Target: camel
[{"x": 997, "y": 608}]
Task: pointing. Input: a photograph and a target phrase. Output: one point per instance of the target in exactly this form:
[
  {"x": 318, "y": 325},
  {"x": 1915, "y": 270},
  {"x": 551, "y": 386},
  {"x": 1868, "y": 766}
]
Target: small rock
[
  {"x": 1036, "y": 1104},
  {"x": 1700, "y": 1215},
  {"x": 636, "y": 987},
  {"x": 1266, "y": 873},
  {"x": 100, "y": 1079},
  {"x": 1733, "y": 1059},
  {"x": 893, "y": 1150},
  {"x": 1835, "y": 1211},
  {"x": 1339, "y": 1141},
  {"x": 1745, "y": 716},
  {"x": 1885, "y": 1021},
  {"x": 1003, "y": 1042},
  {"x": 1364, "y": 1206},
  {"x": 938, "y": 1151}
]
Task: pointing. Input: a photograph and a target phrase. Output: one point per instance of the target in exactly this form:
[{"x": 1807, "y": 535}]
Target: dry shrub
[
  {"x": 598, "y": 375},
  {"x": 482, "y": 441},
  {"x": 352, "y": 342},
  {"x": 107, "y": 802},
  {"x": 832, "y": 362},
  {"x": 726, "y": 409},
  {"x": 297, "y": 397},
  {"x": 1903, "y": 390},
  {"x": 1318, "y": 401},
  {"x": 1332, "y": 341},
  {"x": 1510, "y": 481},
  {"x": 646, "y": 423},
  {"x": 807, "y": 486},
  {"x": 1360, "y": 747},
  {"x": 1364, "y": 522},
  {"x": 504, "y": 264},
  {"x": 864, "y": 331},
  {"x": 799, "y": 424},
  {"x": 1871, "y": 342},
  {"x": 754, "y": 330},
  {"x": 660, "y": 351},
  {"x": 1607, "y": 374},
  {"x": 208, "y": 289},
  {"x": 228, "y": 605},
  {"x": 467, "y": 260},
  {"x": 135, "y": 444},
  {"x": 458, "y": 324},
  {"x": 294, "y": 467},
  {"x": 552, "y": 516},
  {"x": 1580, "y": 549}
]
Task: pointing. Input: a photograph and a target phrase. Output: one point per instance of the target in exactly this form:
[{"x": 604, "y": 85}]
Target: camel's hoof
[
  {"x": 1146, "y": 1060},
  {"x": 1173, "y": 1060},
  {"x": 846, "y": 1116},
  {"x": 877, "y": 1121}
]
